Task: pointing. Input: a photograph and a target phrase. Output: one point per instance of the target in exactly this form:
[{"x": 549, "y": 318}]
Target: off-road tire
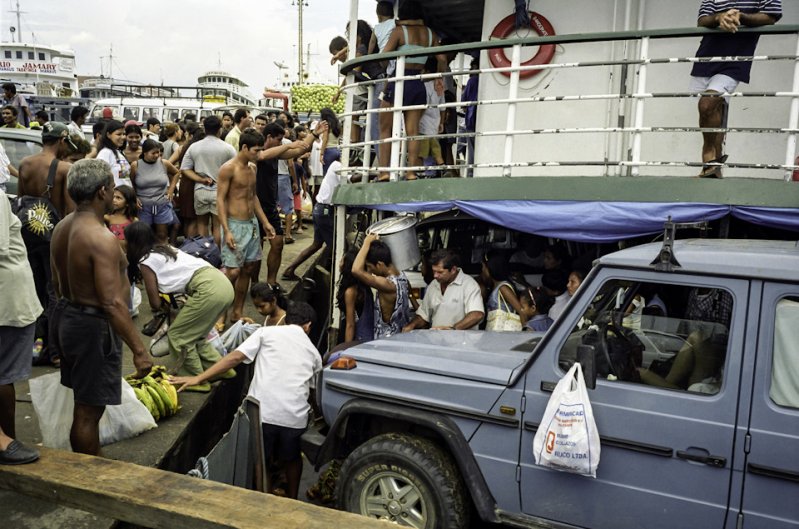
[{"x": 411, "y": 462}]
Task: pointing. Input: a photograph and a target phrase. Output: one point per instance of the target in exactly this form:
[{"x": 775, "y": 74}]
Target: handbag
[
  {"x": 503, "y": 318},
  {"x": 567, "y": 438},
  {"x": 37, "y": 214},
  {"x": 159, "y": 343}
]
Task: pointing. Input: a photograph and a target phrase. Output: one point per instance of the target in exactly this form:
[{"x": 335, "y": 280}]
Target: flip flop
[
  {"x": 288, "y": 240},
  {"x": 713, "y": 171}
]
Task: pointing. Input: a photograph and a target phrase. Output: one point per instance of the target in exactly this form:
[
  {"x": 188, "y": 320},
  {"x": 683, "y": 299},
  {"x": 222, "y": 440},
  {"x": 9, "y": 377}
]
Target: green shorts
[{"x": 248, "y": 243}]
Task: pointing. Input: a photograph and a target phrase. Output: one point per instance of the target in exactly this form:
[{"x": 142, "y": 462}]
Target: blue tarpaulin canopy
[{"x": 586, "y": 221}]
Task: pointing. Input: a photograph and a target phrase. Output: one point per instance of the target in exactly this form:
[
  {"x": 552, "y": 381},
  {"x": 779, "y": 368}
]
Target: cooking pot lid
[{"x": 393, "y": 225}]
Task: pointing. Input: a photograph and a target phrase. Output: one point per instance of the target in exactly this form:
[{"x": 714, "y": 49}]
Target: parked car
[
  {"x": 19, "y": 143},
  {"x": 698, "y": 419}
]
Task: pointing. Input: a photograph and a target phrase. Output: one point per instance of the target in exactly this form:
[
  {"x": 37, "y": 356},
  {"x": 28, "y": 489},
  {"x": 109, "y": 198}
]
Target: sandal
[
  {"x": 713, "y": 171},
  {"x": 290, "y": 276},
  {"x": 288, "y": 240}
]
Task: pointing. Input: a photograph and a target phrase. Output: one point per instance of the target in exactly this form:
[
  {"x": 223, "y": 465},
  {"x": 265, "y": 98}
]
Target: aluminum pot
[{"x": 399, "y": 234}]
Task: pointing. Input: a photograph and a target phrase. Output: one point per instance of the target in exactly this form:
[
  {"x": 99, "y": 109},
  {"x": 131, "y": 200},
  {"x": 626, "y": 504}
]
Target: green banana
[
  {"x": 145, "y": 398},
  {"x": 172, "y": 392},
  {"x": 160, "y": 405},
  {"x": 163, "y": 396}
]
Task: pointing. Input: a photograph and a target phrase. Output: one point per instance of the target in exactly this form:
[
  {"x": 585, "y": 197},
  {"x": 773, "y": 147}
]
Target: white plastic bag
[
  {"x": 54, "y": 405},
  {"x": 237, "y": 333},
  {"x": 567, "y": 438},
  {"x": 215, "y": 341}
]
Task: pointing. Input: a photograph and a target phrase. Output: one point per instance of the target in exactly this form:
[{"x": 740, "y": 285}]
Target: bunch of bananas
[{"x": 156, "y": 393}]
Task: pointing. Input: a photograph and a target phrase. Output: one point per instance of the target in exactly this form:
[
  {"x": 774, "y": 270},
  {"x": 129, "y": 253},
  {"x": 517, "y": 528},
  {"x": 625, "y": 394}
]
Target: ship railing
[{"x": 627, "y": 161}]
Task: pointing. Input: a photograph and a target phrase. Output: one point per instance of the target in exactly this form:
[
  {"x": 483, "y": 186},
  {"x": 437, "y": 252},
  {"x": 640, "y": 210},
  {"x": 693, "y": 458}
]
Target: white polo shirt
[
  {"x": 446, "y": 309},
  {"x": 285, "y": 364}
]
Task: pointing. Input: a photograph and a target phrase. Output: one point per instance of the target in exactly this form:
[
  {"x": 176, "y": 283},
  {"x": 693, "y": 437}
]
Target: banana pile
[{"x": 156, "y": 393}]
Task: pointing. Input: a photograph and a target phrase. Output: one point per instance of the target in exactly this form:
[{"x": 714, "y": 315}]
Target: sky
[{"x": 176, "y": 41}]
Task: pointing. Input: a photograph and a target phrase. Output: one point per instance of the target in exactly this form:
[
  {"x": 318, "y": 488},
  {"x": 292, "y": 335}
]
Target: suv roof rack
[{"x": 665, "y": 260}]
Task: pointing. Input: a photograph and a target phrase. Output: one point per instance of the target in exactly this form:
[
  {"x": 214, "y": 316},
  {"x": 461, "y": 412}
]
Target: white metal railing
[{"x": 397, "y": 164}]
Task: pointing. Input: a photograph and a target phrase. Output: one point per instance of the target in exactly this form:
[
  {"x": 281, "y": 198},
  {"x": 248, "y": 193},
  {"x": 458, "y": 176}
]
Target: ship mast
[
  {"x": 19, "y": 23},
  {"x": 300, "y": 66}
]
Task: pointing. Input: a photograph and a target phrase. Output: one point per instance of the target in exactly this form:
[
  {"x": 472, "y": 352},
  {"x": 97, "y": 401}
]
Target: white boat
[
  {"x": 228, "y": 88},
  {"x": 39, "y": 70}
]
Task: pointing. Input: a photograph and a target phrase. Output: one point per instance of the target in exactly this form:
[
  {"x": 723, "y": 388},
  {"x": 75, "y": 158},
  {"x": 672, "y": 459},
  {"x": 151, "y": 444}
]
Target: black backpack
[
  {"x": 37, "y": 214},
  {"x": 205, "y": 248}
]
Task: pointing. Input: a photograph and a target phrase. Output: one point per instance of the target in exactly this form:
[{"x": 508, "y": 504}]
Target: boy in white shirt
[{"x": 286, "y": 364}]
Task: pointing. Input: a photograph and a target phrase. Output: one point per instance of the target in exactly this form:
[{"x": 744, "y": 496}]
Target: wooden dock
[{"x": 158, "y": 499}]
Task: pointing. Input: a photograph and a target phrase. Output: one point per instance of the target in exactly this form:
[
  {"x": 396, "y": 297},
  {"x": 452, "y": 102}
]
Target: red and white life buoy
[{"x": 506, "y": 26}]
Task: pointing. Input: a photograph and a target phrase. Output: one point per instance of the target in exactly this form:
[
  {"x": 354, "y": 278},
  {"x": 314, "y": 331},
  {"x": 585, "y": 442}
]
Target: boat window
[
  {"x": 130, "y": 113},
  {"x": 41, "y": 56},
  {"x": 19, "y": 54},
  {"x": 30, "y": 55},
  {"x": 8, "y": 54}
]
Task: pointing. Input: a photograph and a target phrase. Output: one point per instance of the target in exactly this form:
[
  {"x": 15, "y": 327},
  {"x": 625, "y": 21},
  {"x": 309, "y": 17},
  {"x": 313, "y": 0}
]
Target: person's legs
[
  {"x": 385, "y": 121},
  {"x": 210, "y": 294},
  {"x": 84, "y": 437},
  {"x": 215, "y": 228},
  {"x": 8, "y": 404},
  {"x": 162, "y": 232},
  {"x": 293, "y": 475},
  {"x": 412, "y": 118},
  {"x": 241, "y": 286},
  {"x": 273, "y": 259},
  {"x": 202, "y": 225},
  {"x": 712, "y": 107}
]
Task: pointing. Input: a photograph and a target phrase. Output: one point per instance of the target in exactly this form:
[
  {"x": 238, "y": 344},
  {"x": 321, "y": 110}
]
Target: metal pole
[
  {"x": 367, "y": 131},
  {"x": 396, "y": 126},
  {"x": 299, "y": 44},
  {"x": 639, "y": 106},
  {"x": 793, "y": 120},
  {"x": 460, "y": 59},
  {"x": 511, "y": 121}
]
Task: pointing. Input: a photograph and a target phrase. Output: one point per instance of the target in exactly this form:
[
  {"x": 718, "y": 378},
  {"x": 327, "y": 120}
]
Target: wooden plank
[{"x": 163, "y": 500}]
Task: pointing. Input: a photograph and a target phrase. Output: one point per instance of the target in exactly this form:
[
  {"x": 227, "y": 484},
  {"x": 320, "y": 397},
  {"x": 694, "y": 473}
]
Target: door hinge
[
  {"x": 518, "y": 474},
  {"x": 739, "y": 524},
  {"x": 524, "y": 403},
  {"x": 747, "y": 443}
]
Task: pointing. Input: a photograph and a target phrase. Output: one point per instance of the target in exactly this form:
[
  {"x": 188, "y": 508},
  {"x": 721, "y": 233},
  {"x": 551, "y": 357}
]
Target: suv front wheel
[{"x": 403, "y": 479}]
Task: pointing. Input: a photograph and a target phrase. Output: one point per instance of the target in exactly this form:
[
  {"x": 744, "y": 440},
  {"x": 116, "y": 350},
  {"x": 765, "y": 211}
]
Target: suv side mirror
[{"x": 586, "y": 355}]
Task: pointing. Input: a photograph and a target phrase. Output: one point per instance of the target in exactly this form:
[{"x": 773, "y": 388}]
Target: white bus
[{"x": 141, "y": 109}]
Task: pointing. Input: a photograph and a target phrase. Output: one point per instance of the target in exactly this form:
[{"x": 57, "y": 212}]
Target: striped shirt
[{"x": 726, "y": 44}]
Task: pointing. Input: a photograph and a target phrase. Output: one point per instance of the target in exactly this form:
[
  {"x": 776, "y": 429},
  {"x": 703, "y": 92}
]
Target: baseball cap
[{"x": 57, "y": 130}]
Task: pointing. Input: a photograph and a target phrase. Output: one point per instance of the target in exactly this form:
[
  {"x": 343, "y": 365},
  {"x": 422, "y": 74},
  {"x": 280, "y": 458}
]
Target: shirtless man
[
  {"x": 239, "y": 214},
  {"x": 90, "y": 280},
  {"x": 33, "y": 173}
]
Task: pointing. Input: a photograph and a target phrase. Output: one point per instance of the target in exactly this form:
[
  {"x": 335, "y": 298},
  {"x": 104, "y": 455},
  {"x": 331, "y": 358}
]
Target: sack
[
  {"x": 54, "y": 404},
  {"x": 237, "y": 333},
  {"x": 503, "y": 318},
  {"x": 205, "y": 248},
  {"x": 37, "y": 214},
  {"x": 567, "y": 438}
]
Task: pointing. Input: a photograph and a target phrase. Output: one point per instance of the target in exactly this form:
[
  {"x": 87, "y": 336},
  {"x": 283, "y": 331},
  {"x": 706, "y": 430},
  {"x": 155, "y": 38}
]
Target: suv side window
[
  {"x": 665, "y": 335},
  {"x": 784, "y": 389}
]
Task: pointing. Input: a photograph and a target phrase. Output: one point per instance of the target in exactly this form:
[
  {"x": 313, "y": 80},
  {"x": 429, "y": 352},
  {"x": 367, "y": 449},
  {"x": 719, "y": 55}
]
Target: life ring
[{"x": 506, "y": 26}]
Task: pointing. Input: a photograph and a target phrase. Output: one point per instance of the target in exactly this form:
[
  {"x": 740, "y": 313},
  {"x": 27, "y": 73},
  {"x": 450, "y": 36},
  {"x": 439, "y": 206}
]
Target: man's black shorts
[
  {"x": 282, "y": 443},
  {"x": 91, "y": 354},
  {"x": 274, "y": 219}
]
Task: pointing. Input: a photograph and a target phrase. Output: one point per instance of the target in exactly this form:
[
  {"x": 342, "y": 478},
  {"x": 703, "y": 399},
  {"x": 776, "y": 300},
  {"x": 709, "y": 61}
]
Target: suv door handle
[{"x": 711, "y": 460}]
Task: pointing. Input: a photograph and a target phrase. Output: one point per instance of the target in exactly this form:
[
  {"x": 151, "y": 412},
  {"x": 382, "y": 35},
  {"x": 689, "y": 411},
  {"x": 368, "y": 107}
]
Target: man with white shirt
[
  {"x": 286, "y": 364},
  {"x": 201, "y": 164},
  {"x": 453, "y": 301},
  {"x": 78, "y": 118}
]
